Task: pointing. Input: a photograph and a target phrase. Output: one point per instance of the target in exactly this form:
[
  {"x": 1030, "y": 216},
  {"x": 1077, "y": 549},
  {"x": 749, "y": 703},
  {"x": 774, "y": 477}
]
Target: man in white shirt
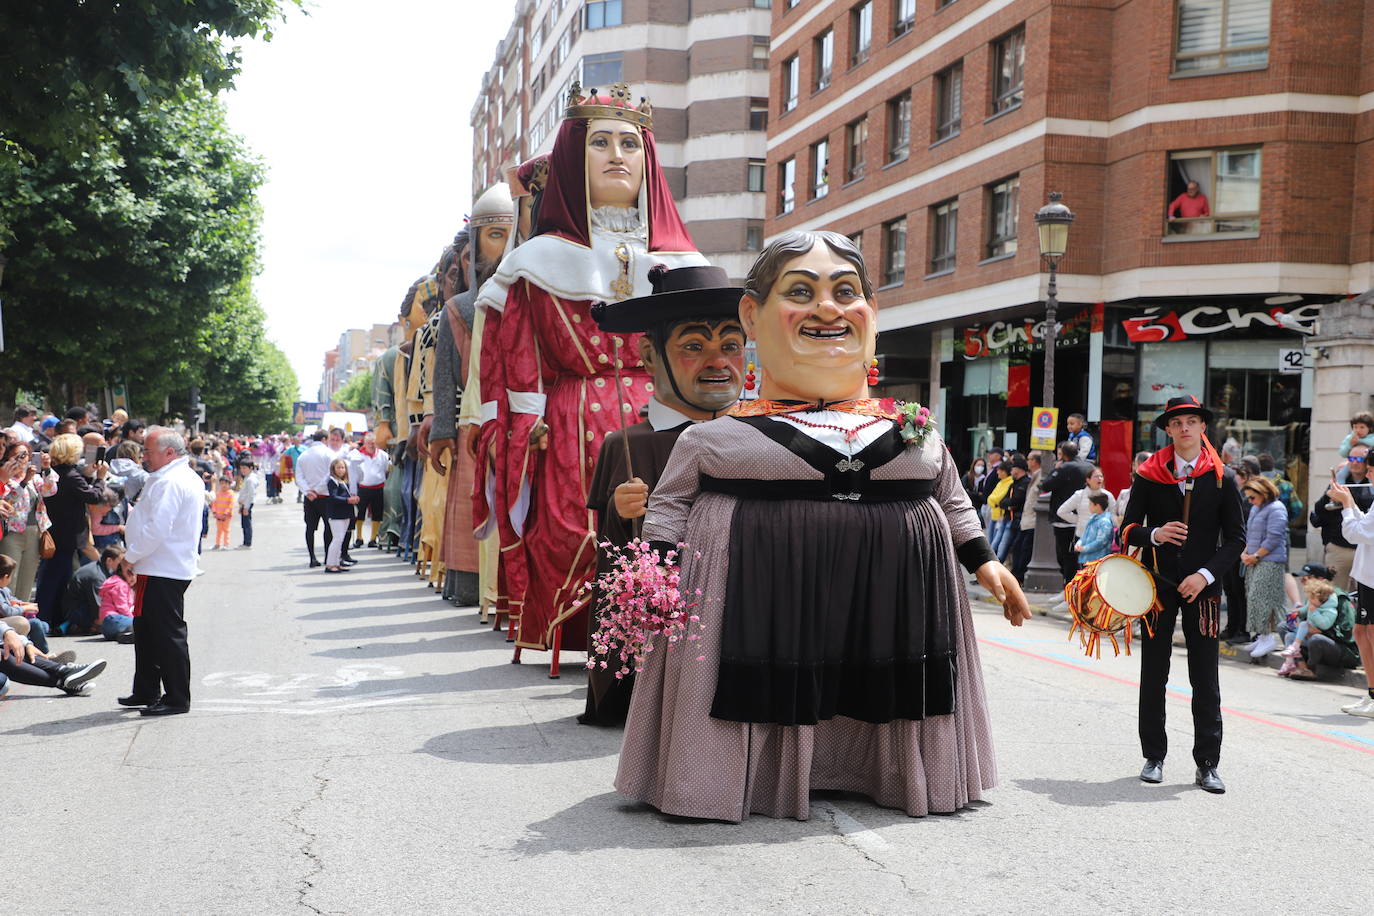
[
  {"x": 24, "y": 418},
  {"x": 162, "y": 534},
  {"x": 312, "y": 477}
]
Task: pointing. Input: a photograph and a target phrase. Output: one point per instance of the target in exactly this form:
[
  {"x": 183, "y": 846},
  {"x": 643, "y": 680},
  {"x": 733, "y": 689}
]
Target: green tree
[
  {"x": 127, "y": 258},
  {"x": 356, "y": 394},
  {"x": 69, "y": 69}
]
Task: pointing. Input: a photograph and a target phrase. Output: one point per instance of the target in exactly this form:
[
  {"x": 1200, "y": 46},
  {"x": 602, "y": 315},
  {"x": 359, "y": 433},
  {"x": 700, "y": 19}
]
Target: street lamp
[{"x": 1052, "y": 223}]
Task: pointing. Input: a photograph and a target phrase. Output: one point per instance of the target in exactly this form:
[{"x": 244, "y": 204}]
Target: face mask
[{"x": 978, "y": 468}]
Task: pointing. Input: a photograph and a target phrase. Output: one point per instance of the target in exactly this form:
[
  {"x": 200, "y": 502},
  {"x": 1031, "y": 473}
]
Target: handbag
[{"x": 46, "y": 545}]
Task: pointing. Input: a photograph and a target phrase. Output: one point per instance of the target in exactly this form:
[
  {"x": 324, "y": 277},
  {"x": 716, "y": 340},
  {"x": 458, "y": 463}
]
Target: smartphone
[
  {"x": 88, "y": 454},
  {"x": 100, "y": 451},
  {"x": 36, "y": 459}
]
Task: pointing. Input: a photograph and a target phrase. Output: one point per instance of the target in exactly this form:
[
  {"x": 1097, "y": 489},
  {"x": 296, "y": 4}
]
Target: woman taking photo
[
  {"x": 67, "y": 512},
  {"x": 24, "y": 486},
  {"x": 1266, "y": 555}
]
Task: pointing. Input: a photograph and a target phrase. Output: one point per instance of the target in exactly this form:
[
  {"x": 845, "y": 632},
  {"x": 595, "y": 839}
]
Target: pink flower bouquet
[{"x": 640, "y": 598}]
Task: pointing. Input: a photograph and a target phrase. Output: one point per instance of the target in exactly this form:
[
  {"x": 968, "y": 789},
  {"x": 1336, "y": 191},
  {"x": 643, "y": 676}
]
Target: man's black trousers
[{"x": 162, "y": 660}]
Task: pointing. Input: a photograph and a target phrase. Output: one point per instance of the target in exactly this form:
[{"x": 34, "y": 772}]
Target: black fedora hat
[
  {"x": 683, "y": 294},
  {"x": 1180, "y": 405}
]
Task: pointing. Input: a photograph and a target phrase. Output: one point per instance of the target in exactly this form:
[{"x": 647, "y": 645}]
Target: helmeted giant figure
[{"x": 549, "y": 375}]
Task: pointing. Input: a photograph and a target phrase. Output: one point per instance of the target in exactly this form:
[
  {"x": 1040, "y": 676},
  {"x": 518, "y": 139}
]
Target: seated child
[
  {"x": 117, "y": 603},
  {"x": 1361, "y": 433},
  {"x": 20, "y": 615},
  {"x": 1318, "y": 613},
  {"x": 1096, "y": 541}
]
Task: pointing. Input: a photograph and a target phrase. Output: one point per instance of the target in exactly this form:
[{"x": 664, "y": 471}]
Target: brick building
[
  {"x": 932, "y": 130},
  {"x": 702, "y": 64}
]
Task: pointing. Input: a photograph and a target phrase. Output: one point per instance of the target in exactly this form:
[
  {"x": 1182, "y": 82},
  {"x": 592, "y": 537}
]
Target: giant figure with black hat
[
  {"x": 693, "y": 345},
  {"x": 1185, "y": 514}
]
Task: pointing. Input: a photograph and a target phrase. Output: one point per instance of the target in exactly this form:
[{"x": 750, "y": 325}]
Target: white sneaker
[
  {"x": 1363, "y": 708},
  {"x": 1247, "y": 646},
  {"x": 1264, "y": 645}
]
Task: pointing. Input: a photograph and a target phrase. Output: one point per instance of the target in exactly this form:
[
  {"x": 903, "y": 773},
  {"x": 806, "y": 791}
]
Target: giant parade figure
[
  {"x": 464, "y": 557},
  {"x": 553, "y": 385},
  {"x": 825, "y": 530}
]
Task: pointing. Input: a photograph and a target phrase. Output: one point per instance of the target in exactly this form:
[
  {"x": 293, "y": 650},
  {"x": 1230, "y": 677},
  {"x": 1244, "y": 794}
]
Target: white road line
[
  {"x": 323, "y": 709},
  {"x": 852, "y": 829}
]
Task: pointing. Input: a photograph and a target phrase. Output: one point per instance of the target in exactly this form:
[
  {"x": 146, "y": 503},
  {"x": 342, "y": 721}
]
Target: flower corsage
[{"x": 917, "y": 422}]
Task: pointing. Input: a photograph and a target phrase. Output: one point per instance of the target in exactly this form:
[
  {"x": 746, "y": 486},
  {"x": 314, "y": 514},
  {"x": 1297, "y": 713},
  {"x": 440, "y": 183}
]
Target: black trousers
[
  {"x": 1063, "y": 553},
  {"x": 314, "y": 515},
  {"x": 1202, "y": 676},
  {"x": 162, "y": 660},
  {"x": 1233, "y": 584},
  {"x": 40, "y": 672}
]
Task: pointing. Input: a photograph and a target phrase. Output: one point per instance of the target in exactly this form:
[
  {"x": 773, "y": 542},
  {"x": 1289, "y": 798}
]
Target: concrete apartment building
[
  {"x": 932, "y": 130},
  {"x": 703, "y": 64}
]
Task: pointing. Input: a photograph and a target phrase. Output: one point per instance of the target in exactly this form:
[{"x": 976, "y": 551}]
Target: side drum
[{"x": 1106, "y": 597}]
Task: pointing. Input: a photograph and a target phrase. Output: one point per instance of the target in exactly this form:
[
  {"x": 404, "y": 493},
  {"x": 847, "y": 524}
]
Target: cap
[{"x": 1319, "y": 570}]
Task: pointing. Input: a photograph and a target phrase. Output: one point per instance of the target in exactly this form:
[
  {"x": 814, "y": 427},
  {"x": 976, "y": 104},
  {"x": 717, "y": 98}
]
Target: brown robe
[{"x": 460, "y": 546}]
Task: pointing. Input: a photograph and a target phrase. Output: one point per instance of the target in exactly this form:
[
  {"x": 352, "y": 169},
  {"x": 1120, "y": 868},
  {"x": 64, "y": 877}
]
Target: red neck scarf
[
  {"x": 1160, "y": 466},
  {"x": 866, "y": 407}
]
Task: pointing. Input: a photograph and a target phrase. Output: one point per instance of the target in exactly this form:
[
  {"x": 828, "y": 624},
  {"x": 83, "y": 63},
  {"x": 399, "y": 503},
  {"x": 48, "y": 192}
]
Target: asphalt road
[{"x": 358, "y": 746}]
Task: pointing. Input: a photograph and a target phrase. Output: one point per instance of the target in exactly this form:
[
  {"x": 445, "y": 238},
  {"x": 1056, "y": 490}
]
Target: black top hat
[
  {"x": 1181, "y": 405},
  {"x": 683, "y": 294}
]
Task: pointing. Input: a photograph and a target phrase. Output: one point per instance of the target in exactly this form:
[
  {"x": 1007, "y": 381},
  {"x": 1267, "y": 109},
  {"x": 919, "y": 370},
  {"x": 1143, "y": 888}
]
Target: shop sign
[
  {"x": 1018, "y": 338},
  {"x": 1155, "y": 324}
]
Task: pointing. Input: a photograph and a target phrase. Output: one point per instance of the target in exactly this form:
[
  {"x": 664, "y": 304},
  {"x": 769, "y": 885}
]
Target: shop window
[
  {"x": 1008, "y": 71},
  {"x": 860, "y": 33},
  {"x": 787, "y": 180},
  {"x": 986, "y": 376},
  {"x": 789, "y": 83},
  {"x": 820, "y": 169},
  {"x": 899, "y": 127},
  {"x": 894, "y": 252},
  {"x": 856, "y": 149},
  {"x": 1215, "y": 35},
  {"x": 825, "y": 59},
  {"x": 944, "y": 236},
  {"x": 1003, "y": 207},
  {"x": 758, "y": 114},
  {"x": 760, "y": 58},
  {"x": 602, "y": 69},
  {"x": 1228, "y": 191},
  {"x": 903, "y": 17},
  {"x": 602, "y": 14},
  {"x": 756, "y": 171},
  {"x": 949, "y": 101}
]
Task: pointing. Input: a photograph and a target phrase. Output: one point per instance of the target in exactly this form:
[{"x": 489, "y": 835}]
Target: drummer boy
[{"x": 1184, "y": 512}]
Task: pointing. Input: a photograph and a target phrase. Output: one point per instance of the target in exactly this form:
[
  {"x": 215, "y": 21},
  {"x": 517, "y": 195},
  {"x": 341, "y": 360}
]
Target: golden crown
[{"x": 587, "y": 105}]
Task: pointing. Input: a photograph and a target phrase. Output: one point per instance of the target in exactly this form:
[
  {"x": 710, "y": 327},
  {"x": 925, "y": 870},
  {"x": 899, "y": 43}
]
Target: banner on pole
[{"x": 1044, "y": 427}]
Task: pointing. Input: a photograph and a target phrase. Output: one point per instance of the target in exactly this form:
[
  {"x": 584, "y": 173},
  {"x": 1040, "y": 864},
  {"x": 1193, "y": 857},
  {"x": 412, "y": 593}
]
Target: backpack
[{"x": 1288, "y": 494}]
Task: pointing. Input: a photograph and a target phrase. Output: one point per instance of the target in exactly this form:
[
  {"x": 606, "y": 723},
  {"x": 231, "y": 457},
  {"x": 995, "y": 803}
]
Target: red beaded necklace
[{"x": 849, "y": 434}]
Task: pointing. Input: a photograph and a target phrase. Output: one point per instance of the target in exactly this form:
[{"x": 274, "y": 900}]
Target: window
[
  {"x": 760, "y": 58},
  {"x": 1008, "y": 71},
  {"x": 825, "y": 58},
  {"x": 601, "y": 69},
  {"x": 1221, "y": 35},
  {"x": 858, "y": 239},
  {"x": 1228, "y": 185},
  {"x": 602, "y": 14},
  {"x": 899, "y": 127},
  {"x": 758, "y": 114},
  {"x": 537, "y": 85},
  {"x": 789, "y": 83},
  {"x": 1003, "y": 209},
  {"x": 564, "y": 44},
  {"x": 787, "y": 178},
  {"x": 820, "y": 169},
  {"x": 753, "y": 237},
  {"x": 536, "y": 39},
  {"x": 894, "y": 252},
  {"x": 756, "y": 170},
  {"x": 903, "y": 17},
  {"x": 856, "y": 146},
  {"x": 949, "y": 101},
  {"x": 763, "y": 4},
  {"x": 860, "y": 33},
  {"x": 944, "y": 235}
]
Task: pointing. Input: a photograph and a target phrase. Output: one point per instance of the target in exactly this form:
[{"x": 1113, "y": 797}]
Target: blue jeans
[
  {"x": 246, "y": 520},
  {"x": 114, "y": 624},
  {"x": 1001, "y": 539}
]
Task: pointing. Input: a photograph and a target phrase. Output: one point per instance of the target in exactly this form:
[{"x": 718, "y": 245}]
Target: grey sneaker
[{"x": 74, "y": 678}]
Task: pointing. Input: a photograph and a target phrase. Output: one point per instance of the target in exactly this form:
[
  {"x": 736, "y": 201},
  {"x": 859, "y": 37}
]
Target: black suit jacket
[
  {"x": 1216, "y": 534},
  {"x": 1067, "y": 478}
]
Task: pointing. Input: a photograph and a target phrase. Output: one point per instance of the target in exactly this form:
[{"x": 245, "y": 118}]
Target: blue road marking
[{"x": 1352, "y": 737}]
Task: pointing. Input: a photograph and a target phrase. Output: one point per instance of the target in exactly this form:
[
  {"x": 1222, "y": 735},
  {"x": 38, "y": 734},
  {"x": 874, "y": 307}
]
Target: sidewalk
[{"x": 1042, "y": 604}]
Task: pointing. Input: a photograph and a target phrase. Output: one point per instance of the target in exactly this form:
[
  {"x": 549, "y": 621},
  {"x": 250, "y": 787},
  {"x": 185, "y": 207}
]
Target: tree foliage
[
  {"x": 134, "y": 259},
  {"x": 356, "y": 394},
  {"x": 68, "y": 68}
]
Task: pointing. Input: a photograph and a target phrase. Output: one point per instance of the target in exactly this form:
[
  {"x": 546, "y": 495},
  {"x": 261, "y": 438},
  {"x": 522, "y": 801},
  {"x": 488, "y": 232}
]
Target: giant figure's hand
[
  {"x": 997, "y": 579},
  {"x": 631, "y": 498},
  {"x": 383, "y": 433},
  {"x": 437, "y": 448},
  {"x": 539, "y": 435},
  {"x": 467, "y": 440}
]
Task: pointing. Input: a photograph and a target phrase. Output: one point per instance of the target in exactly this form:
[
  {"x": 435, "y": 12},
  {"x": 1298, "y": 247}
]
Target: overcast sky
[{"x": 360, "y": 111}]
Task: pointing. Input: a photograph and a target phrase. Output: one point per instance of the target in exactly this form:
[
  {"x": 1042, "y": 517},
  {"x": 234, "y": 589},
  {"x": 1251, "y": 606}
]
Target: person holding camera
[{"x": 67, "y": 512}]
